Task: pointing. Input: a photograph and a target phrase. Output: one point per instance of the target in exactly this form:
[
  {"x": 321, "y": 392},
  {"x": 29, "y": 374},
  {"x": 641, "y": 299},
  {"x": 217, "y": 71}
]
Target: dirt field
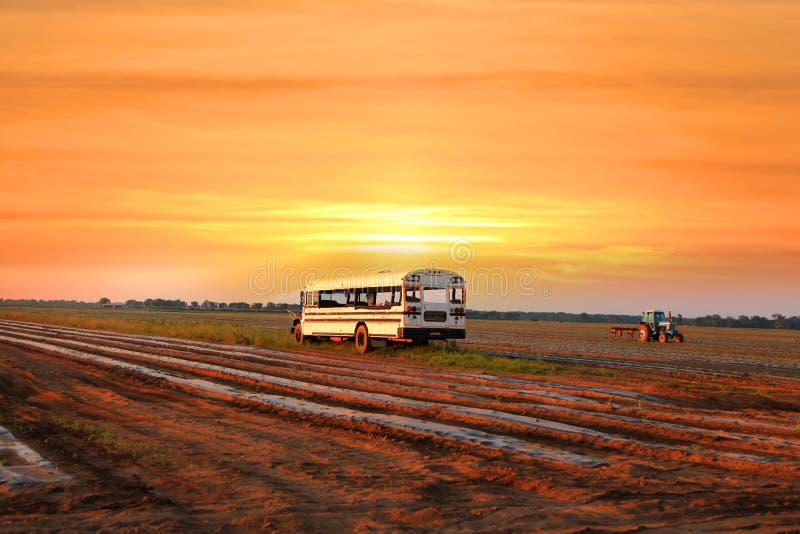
[{"x": 141, "y": 432}]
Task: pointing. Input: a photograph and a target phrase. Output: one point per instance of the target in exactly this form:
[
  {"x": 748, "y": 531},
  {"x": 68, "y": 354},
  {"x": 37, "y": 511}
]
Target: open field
[{"x": 161, "y": 422}]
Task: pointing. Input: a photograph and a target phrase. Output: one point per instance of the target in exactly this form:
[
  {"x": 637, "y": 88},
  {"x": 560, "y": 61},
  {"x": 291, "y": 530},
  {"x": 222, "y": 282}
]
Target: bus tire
[
  {"x": 298, "y": 334},
  {"x": 362, "y": 339}
]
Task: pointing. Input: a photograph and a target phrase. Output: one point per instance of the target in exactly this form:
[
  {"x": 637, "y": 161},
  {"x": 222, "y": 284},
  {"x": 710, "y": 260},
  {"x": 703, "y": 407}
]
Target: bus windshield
[{"x": 434, "y": 295}]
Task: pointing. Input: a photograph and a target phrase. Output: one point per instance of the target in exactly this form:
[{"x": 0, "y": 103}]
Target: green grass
[
  {"x": 113, "y": 443},
  {"x": 161, "y": 324},
  {"x": 455, "y": 356}
]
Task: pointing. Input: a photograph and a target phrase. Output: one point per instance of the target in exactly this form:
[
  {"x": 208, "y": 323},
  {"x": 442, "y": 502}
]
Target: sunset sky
[{"x": 620, "y": 154}]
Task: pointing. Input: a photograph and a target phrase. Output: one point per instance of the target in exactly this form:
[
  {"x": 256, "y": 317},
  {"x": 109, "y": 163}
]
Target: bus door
[{"x": 435, "y": 306}]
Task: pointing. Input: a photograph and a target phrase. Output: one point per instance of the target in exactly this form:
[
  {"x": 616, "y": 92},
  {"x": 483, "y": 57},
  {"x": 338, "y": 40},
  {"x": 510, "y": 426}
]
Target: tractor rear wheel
[
  {"x": 662, "y": 337},
  {"x": 362, "y": 339},
  {"x": 644, "y": 333},
  {"x": 298, "y": 334}
]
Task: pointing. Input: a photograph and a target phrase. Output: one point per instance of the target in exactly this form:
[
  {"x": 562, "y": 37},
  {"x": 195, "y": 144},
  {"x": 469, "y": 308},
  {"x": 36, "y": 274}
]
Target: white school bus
[{"x": 410, "y": 307}]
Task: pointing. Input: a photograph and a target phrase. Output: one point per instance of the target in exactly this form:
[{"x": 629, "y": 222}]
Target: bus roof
[{"x": 381, "y": 279}]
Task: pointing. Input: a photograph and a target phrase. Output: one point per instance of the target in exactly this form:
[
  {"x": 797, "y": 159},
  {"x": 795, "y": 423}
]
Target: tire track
[
  {"x": 403, "y": 423},
  {"x": 645, "y": 366}
]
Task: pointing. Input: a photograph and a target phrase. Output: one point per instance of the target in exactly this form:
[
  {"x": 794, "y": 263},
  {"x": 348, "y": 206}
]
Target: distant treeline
[
  {"x": 156, "y": 304},
  {"x": 34, "y": 302},
  {"x": 561, "y": 317},
  {"x": 162, "y": 304},
  {"x": 743, "y": 321}
]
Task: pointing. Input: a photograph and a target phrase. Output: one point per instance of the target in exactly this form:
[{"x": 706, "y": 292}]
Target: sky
[{"x": 598, "y": 156}]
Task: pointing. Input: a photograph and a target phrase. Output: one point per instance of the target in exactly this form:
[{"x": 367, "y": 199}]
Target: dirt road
[{"x": 171, "y": 434}]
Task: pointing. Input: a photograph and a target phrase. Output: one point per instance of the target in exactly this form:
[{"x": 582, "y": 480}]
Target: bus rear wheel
[
  {"x": 362, "y": 339},
  {"x": 298, "y": 334}
]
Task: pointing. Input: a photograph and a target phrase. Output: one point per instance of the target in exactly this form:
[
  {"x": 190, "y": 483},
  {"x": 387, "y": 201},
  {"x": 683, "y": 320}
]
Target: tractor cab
[{"x": 655, "y": 319}]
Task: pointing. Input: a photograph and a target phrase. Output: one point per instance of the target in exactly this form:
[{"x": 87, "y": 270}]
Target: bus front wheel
[{"x": 362, "y": 339}]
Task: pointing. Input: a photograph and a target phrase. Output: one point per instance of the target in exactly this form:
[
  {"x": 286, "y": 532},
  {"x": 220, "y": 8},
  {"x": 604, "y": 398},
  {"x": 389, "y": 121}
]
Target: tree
[
  {"x": 780, "y": 320},
  {"x": 257, "y": 306},
  {"x": 103, "y": 301},
  {"x": 195, "y": 304}
]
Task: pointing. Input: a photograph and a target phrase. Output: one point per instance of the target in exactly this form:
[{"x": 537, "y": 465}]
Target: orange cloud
[{"x": 630, "y": 152}]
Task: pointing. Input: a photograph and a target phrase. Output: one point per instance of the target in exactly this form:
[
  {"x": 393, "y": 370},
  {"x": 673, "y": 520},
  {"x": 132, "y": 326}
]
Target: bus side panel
[{"x": 332, "y": 324}]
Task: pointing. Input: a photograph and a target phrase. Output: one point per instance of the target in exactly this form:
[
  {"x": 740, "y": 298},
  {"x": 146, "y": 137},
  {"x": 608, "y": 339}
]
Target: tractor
[{"x": 658, "y": 326}]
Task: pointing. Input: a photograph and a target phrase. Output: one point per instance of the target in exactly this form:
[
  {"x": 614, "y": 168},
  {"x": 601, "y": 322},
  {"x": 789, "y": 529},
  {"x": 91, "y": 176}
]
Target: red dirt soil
[{"x": 147, "y": 454}]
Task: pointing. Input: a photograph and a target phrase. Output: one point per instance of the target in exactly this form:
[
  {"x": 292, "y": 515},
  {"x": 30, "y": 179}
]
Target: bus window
[
  {"x": 365, "y": 296},
  {"x": 434, "y": 295},
  {"x": 339, "y": 298},
  {"x": 332, "y": 299},
  {"x": 325, "y": 300},
  {"x": 383, "y": 296},
  {"x": 397, "y": 295},
  {"x": 412, "y": 293},
  {"x": 312, "y": 298},
  {"x": 457, "y": 295}
]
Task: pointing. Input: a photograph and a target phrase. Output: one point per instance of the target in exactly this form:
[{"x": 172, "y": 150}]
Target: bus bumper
[{"x": 431, "y": 333}]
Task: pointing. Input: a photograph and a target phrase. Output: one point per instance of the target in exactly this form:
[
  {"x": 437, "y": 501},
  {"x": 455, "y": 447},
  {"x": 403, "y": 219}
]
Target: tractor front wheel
[
  {"x": 678, "y": 338},
  {"x": 662, "y": 337},
  {"x": 644, "y": 333}
]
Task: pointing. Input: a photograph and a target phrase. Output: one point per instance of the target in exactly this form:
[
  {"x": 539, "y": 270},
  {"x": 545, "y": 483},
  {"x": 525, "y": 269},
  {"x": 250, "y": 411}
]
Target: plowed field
[{"x": 146, "y": 432}]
